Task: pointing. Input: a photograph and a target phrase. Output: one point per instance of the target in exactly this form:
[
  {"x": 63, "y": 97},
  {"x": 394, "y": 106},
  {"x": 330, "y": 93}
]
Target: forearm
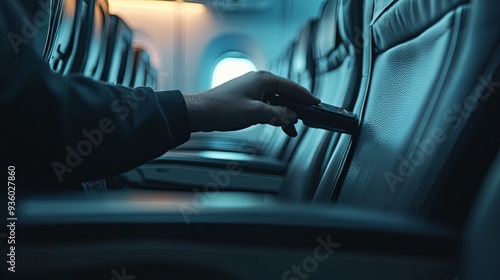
[
  {"x": 77, "y": 129},
  {"x": 73, "y": 128}
]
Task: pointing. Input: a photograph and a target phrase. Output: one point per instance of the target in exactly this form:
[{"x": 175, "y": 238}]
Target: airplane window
[{"x": 231, "y": 67}]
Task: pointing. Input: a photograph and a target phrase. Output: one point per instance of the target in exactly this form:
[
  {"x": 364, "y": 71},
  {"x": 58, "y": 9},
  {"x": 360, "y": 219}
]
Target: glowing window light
[{"x": 230, "y": 68}]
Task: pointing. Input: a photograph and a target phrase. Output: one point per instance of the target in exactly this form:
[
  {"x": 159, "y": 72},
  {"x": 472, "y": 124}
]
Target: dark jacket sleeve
[{"x": 57, "y": 129}]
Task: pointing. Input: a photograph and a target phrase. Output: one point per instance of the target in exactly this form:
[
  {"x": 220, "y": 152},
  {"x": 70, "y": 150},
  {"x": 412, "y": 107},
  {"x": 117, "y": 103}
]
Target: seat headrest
[{"x": 396, "y": 21}]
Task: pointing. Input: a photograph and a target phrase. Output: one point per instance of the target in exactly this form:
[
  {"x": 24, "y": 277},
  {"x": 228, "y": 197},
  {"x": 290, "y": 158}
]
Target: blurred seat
[
  {"x": 64, "y": 32},
  {"x": 69, "y": 17},
  {"x": 340, "y": 71},
  {"x": 119, "y": 62},
  {"x": 93, "y": 39},
  {"x": 302, "y": 65},
  {"x": 152, "y": 77},
  {"x": 41, "y": 14},
  {"x": 141, "y": 67},
  {"x": 301, "y": 71},
  {"x": 338, "y": 56},
  {"x": 285, "y": 61}
]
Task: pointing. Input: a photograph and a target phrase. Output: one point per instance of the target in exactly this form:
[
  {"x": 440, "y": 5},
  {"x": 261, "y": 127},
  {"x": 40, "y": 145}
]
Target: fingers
[
  {"x": 286, "y": 88},
  {"x": 277, "y": 116},
  {"x": 289, "y": 130},
  {"x": 273, "y": 115}
]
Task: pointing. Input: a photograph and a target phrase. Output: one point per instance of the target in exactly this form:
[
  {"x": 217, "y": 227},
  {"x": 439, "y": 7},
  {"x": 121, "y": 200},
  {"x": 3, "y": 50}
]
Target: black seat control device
[{"x": 322, "y": 116}]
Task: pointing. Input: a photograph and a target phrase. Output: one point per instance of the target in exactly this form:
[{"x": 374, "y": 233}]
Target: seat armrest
[
  {"x": 227, "y": 218},
  {"x": 184, "y": 170}
]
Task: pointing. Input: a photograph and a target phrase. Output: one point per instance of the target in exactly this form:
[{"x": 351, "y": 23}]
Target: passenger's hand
[{"x": 238, "y": 104}]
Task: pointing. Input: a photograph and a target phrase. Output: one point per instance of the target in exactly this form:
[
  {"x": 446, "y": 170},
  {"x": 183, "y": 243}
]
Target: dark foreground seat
[{"x": 152, "y": 77}]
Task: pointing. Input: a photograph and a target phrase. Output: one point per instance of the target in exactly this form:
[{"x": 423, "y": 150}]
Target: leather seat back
[
  {"x": 69, "y": 16},
  {"x": 96, "y": 36},
  {"x": 284, "y": 70},
  {"x": 119, "y": 55},
  {"x": 427, "y": 101},
  {"x": 301, "y": 63},
  {"x": 140, "y": 70},
  {"x": 85, "y": 35},
  {"x": 270, "y": 142},
  {"x": 281, "y": 65},
  {"x": 341, "y": 71},
  {"x": 151, "y": 78},
  {"x": 337, "y": 53},
  {"x": 308, "y": 162},
  {"x": 300, "y": 71}
]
